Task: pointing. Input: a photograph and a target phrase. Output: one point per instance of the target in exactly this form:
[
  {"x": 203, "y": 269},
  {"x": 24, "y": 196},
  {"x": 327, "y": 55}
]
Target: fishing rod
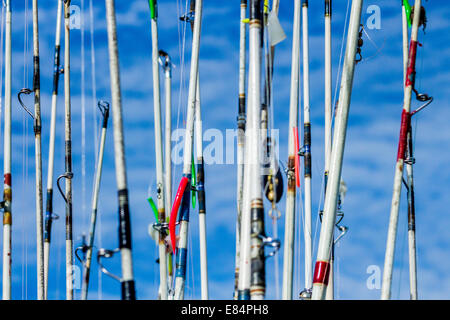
[
  {"x": 306, "y": 150},
  {"x": 200, "y": 189},
  {"x": 406, "y": 11},
  {"x": 68, "y": 174},
  {"x": 6, "y": 204},
  {"x": 166, "y": 63},
  {"x": 288, "y": 265},
  {"x": 49, "y": 215},
  {"x": 183, "y": 192},
  {"x": 409, "y": 161},
  {"x": 103, "y": 106},
  {"x": 241, "y": 136},
  {"x": 328, "y": 80},
  {"x": 328, "y": 124},
  {"x": 252, "y": 282},
  {"x": 127, "y": 279},
  {"x": 200, "y": 181},
  {"x": 402, "y": 145},
  {"x": 38, "y": 151},
  {"x": 158, "y": 148},
  {"x": 322, "y": 267}
]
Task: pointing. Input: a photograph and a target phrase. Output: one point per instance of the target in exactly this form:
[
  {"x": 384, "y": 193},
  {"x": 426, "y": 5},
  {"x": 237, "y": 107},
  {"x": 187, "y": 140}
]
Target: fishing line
[
  {"x": 268, "y": 137},
  {"x": 300, "y": 219},
  {"x": 96, "y": 129},
  {"x": 340, "y": 65},
  {"x": 25, "y": 161},
  {"x": 85, "y": 213},
  {"x": 182, "y": 50},
  {"x": 403, "y": 236},
  {"x": 269, "y": 51},
  {"x": 93, "y": 80},
  {"x": 298, "y": 225},
  {"x": 1, "y": 60},
  {"x": 321, "y": 202},
  {"x": 379, "y": 48}
]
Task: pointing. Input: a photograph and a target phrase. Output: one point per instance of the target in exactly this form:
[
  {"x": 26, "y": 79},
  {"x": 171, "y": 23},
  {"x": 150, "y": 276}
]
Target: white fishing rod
[
  {"x": 328, "y": 118},
  {"x": 38, "y": 152},
  {"x": 127, "y": 279},
  {"x": 409, "y": 169},
  {"x": 68, "y": 174},
  {"x": 158, "y": 150},
  {"x": 241, "y": 137},
  {"x": 183, "y": 193},
  {"x": 49, "y": 215},
  {"x": 405, "y": 124},
  {"x": 253, "y": 141},
  {"x": 289, "y": 233},
  {"x": 322, "y": 266},
  {"x": 104, "y": 109},
  {"x": 306, "y": 152},
  {"x": 166, "y": 63},
  {"x": 200, "y": 189},
  {"x": 7, "y": 190}
]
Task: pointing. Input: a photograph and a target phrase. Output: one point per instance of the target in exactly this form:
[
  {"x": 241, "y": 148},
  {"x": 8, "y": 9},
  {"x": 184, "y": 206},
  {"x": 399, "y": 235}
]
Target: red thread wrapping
[
  {"x": 173, "y": 214},
  {"x": 411, "y": 63},
  {"x": 7, "y": 180},
  {"x": 321, "y": 272},
  {"x": 406, "y": 118}
]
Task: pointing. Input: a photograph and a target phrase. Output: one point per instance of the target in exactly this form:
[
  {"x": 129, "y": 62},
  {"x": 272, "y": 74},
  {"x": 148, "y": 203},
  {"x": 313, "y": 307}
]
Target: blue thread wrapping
[{"x": 181, "y": 263}]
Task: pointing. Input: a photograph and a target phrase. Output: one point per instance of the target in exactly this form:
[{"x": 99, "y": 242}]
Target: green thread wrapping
[
  {"x": 407, "y": 11},
  {"x": 153, "y": 205},
  {"x": 153, "y": 11}
]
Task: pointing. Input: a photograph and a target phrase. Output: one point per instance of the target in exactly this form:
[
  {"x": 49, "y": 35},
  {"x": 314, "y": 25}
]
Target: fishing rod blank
[
  {"x": 253, "y": 141},
  {"x": 49, "y": 215},
  {"x": 68, "y": 174},
  {"x": 409, "y": 170},
  {"x": 411, "y": 217},
  {"x": 104, "y": 109},
  {"x": 127, "y": 279},
  {"x": 200, "y": 189},
  {"x": 252, "y": 193},
  {"x": 241, "y": 137},
  {"x": 405, "y": 123},
  {"x": 38, "y": 152},
  {"x": 7, "y": 190},
  {"x": 322, "y": 266},
  {"x": 306, "y": 152},
  {"x": 289, "y": 233},
  {"x": 158, "y": 150},
  {"x": 166, "y": 63},
  {"x": 180, "y": 276}
]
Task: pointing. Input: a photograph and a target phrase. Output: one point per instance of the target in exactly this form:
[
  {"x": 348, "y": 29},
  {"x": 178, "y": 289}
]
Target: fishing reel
[{"x": 272, "y": 184}]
